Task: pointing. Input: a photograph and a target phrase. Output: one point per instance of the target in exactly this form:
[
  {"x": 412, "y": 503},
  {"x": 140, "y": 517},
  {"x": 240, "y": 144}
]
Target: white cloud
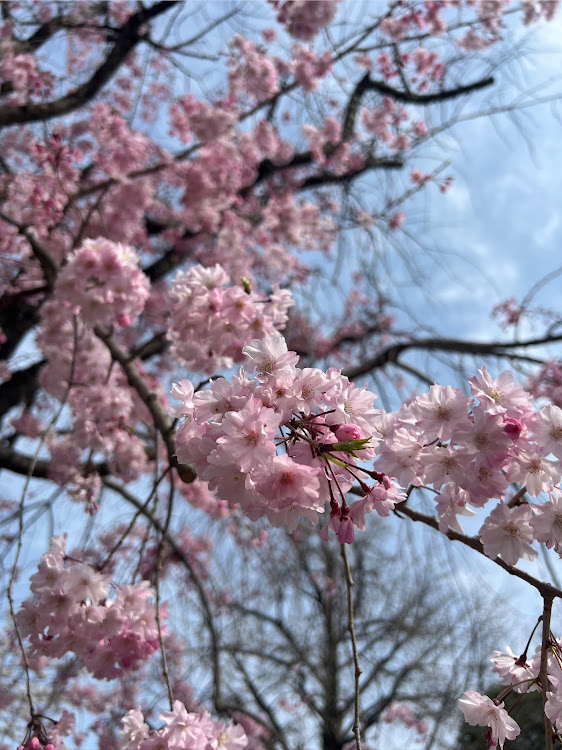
[{"x": 544, "y": 235}]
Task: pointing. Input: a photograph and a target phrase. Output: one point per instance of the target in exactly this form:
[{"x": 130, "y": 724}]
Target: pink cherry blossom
[{"x": 507, "y": 532}]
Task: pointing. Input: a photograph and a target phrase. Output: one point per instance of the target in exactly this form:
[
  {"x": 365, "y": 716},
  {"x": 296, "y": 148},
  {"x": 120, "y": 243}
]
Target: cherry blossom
[
  {"x": 158, "y": 226},
  {"x": 481, "y": 711},
  {"x": 507, "y": 532}
]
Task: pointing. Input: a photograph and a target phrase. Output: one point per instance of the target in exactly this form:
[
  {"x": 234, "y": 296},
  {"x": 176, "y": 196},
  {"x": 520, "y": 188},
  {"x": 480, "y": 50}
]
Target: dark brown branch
[
  {"x": 24, "y": 465},
  {"x": 162, "y": 421},
  {"x": 48, "y": 263},
  {"x": 20, "y": 388},
  {"x": 545, "y": 589},
  {"x": 127, "y": 37},
  {"x": 367, "y": 84},
  {"x": 17, "y": 317},
  {"x": 543, "y": 673},
  {"x": 408, "y": 97},
  {"x": 330, "y": 178},
  {"x": 19, "y": 463},
  {"x": 391, "y": 353}
]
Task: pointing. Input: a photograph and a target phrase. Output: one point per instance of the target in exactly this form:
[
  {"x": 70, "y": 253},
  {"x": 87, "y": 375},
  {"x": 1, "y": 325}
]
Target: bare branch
[
  {"x": 162, "y": 421},
  {"x": 391, "y": 353},
  {"x": 439, "y": 96}
]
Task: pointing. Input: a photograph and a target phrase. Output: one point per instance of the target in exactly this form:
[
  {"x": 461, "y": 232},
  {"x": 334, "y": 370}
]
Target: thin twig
[
  {"x": 159, "y": 561},
  {"x": 21, "y": 526},
  {"x": 137, "y": 515},
  {"x": 351, "y": 628}
]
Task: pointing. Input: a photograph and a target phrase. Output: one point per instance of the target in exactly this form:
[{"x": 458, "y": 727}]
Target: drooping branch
[
  {"x": 543, "y": 673},
  {"x": 162, "y": 421},
  {"x": 545, "y": 589},
  {"x": 357, "y": 666},
  {"x": 220, "y": 705}
]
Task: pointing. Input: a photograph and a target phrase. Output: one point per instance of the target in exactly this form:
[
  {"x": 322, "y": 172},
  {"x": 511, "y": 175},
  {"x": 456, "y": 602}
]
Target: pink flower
[
  {"x": 500, "y": 396},
  {"x": 548, "y": 430},
  {"x": 441, "y": 410},
  {"x": 507, "y": 532},
  {"x": 479, "y": 710},
  {"x": 270, "y": 355},
  {"x": 547, "y": 521},
  {"x": 451, "y": 502}
]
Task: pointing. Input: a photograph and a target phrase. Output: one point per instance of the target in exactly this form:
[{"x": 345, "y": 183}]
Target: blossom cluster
[
  {"x": 104, "y": 408},
  {"x": 521, "y": 676},
  {"x": 19, "y": 73},
  {"x": 401, "y": 712},
  {"x": 204, "y": 308},
  {"x": 547, "y": 383},
  {"x": 182, "y": 731},
  {"x": 304, "y": 20},
  {"x": 50, "y": 737},
  {"x": 479, "y": 710},
  {"x": 471, "y": 449},
  {"x": 103, "y": 283},
  {"x": 285, "y": 442},
  {"x": 252, "y": 72},
  {"x": 70, "y": 612}
]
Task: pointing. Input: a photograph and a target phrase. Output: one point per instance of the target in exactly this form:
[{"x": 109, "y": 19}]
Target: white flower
[
  {"x": 479, "y": 710},
  {"x": 134, "y": 730}
]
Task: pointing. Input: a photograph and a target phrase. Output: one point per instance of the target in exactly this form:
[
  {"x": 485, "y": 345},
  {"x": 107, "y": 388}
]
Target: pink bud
[
  {"x": 346, "y": 532},
  {"x": 124, "y": 320},
  {"x": 512, "y": 427},
  {"x": 348, "y": 432}
]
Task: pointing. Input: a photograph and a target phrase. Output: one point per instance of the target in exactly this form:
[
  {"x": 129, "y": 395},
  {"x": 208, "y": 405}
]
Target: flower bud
[{"x": 348, "y": 432}]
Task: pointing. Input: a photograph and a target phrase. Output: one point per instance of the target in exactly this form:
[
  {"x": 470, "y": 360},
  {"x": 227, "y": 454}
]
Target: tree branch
[
  {"x": 19, "y": 463},
  {"x": 48, "y": 263},
  {"x": 390, "y": 354},
  {"x": 20, "y": 388},
  {"x": 356, "y": 664},
  {"x": 127, "y": 38},
  {"x": 408, "y": 97},
  {"x": 545, "y": 589},
  {"x": 543, "y": 673},
  {"x": 162, "y": 421}
]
